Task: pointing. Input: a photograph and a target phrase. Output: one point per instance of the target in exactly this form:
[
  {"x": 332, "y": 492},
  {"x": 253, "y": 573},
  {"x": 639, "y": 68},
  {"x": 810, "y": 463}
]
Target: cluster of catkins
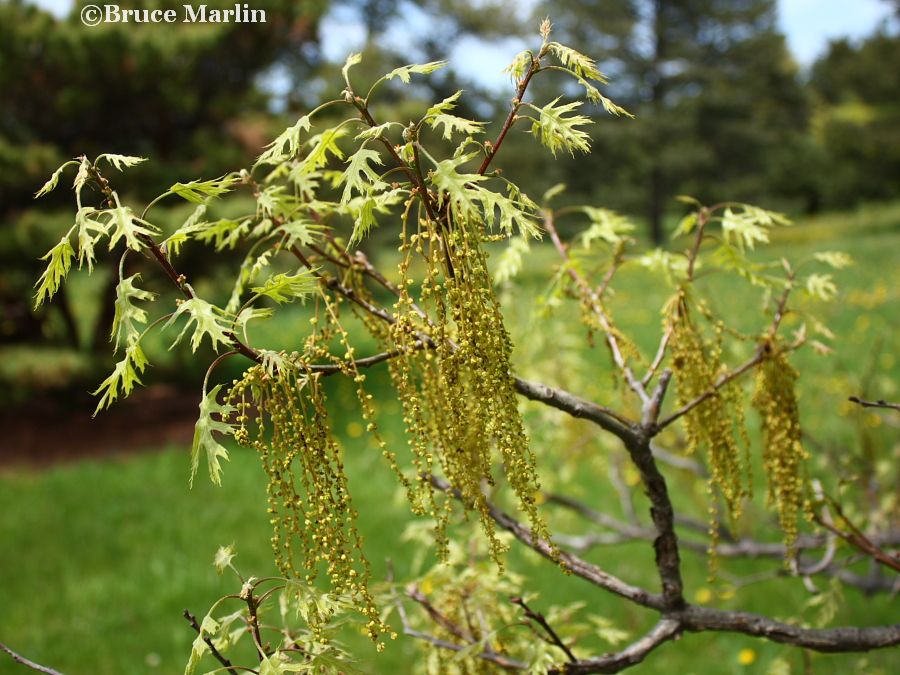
[
  {"x": 454, "y": 379},
  {"x": 309, "y": 504},
  {"x": 775, "y": 399},
  {"x": 718, "y": 425}
]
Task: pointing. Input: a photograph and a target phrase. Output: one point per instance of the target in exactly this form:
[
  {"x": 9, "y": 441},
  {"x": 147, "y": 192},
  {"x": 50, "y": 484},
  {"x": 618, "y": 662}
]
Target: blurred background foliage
[{"x": 722, "y": 110}]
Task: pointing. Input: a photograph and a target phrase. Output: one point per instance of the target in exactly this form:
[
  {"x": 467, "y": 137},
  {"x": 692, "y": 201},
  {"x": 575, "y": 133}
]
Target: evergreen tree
[
  {"x": 717, "y": 100},
  {"x": 858, "y": 119}
]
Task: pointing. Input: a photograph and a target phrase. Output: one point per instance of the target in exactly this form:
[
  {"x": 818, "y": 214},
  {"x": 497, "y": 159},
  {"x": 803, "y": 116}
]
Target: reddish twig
[
  {"x": 541, "y": 620},
  {"x": 217, "y": 655}
]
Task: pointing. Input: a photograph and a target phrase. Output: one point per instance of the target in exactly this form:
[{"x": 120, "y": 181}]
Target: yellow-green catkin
[
  {"x": 775, "y": 399},
  {"x": 309, "y": 505},
  {"x": 454, "y": 380},
  {"x": 717, "y": 423}
]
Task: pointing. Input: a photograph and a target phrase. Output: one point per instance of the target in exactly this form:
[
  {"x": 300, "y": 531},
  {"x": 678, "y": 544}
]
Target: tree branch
[
  {"x": 574, "y": 564},
  {"x": 844, "y": 639},
  {"x": 541, "y": 620},
  {"x": 594, "y": 300},
  {"x": 880, "y": 403},
  {"x": 560, "y": 399},
  {"x": 217, "y": 655},
  {"x": 665, "y": 630},
  {"x": 18, "y": 658},
  {"x": 511, "y": 117}
]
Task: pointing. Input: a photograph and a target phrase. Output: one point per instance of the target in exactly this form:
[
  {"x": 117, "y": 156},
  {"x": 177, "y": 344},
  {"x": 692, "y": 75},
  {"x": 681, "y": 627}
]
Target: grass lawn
[{"x": 98, "y": 559}]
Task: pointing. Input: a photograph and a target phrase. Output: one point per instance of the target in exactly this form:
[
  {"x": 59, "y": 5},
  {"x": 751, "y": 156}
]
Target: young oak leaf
[
  {"x": 127, "y": 226},
  {"x": 208, "y": 628},
  {"x": 121, "y": 162},
  {"x": 322, "y": 145},
  {"x": 453, "y": 124},
  {"x": 202, "y": 191},
  {"x": 59, "y": 263},
  {"x": 403, "y": 72},
  {"x": 363, "y": 210},
  {"x": 53, "y": 181},
  {"x": 127, "y": 315},
  {"x": 224, "y": 556},
  {"x": 444, "y": 106},
  {"x": 821, "y": 286},
  {"x": 124, "y": 376},
  {"x": 352, "y": 59},
  {"x": 204, "y": 439},
  {"x": 457, "y": 186},
  {"x": 90, "y": 231},
  {"x": 557, "y": 131},
  {"x": 835, "y": 259},
  {"x": 743, "y": 229},
  {"x": 582, "y": 66},
  {"x": 288, "y": 287},
  {"x": 208, "y": 320},
  {"x": 286, "y": 145},
  {"x": 357, "y": 171}
]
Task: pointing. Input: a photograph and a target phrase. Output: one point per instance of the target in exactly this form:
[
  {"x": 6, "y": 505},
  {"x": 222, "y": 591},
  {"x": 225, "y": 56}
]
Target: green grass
[{"x": 100, "y": 558}]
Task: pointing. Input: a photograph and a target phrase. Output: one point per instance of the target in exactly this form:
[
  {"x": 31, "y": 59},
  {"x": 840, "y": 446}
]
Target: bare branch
[
  {"x": 541, "y": 620},
  {"x": 604, "y": 417},
  {"x": 658, "y": 359},
  {"x": 18, "y": 658},
  {"x": 594, "y": 300},
  {"x": 668, "y": 561},
  {"x": 572, "y": 563},
  {"x": 665, "y": 630},
  {"x": 880, "y": 403},
  {"x": 855, "y": 537},
  {"x": 844, "y": 639},
  {"x": 435, "y": 615},
  {"x": 653, "y": 405}
]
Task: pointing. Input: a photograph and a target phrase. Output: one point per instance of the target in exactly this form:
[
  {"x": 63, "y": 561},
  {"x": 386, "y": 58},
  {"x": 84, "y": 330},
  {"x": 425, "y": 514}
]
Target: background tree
[
  {"x": 716, "y": 95},
  {"x": 856, "y": 119}
]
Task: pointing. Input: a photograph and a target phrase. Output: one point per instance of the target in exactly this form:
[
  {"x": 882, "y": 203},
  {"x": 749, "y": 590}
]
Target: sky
[{"x": 808, "y": 25}]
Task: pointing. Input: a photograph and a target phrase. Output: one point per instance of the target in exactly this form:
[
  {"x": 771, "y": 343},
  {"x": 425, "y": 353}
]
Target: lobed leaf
[
  {"x": 453, "y": 124},
  {"x": 124, "y": 376},
  {"x": 223, "y": 558},
  {"x": 286, "y": 145},
  {"x": 121, "y": 162},
  {"x": 89, "y": 233},
  {"x": 53, "y": 181},
  {"x": 403, "y": 72},
  {"x": 205, "y": 442},
  {"x": 127, "y": 226},
  {"x": 353, "y": 59},
  {"x": 457, "y": 186},
  {"x": 582, "y": 66},
  {"x": 288, "y": 287},
  {"x": 202, "y": 191},
  {"x": 59, "y": 263},
  {"x": 128, "y": 315},
  {"x": 207, "y": 319},
  {"x": 360, "y": 176},
  {"x": 835, "y": 259},
  {"x": 559, "y": 132}
]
